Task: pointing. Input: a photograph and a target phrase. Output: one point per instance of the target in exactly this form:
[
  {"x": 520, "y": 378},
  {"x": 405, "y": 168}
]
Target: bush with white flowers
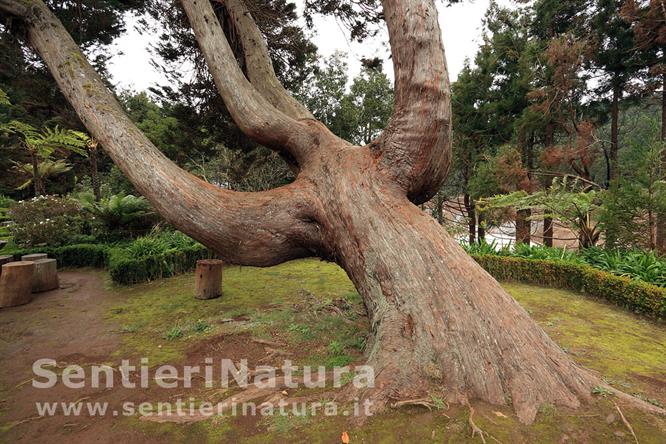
[{"x": 45, "y": 220}]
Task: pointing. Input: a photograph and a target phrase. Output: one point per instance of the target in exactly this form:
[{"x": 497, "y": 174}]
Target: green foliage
[
  {"x": 642, "y": 265},
  {"x": 357, "y": 115},
  {"x": 602, "y": 391},
  {"x": 174, "y": 333},
  {"x": 77, "y": 255},
  {"x": 4, "y": 98},
  {"x": 118, "y": 215},
  {"x": 40, "y": 145},
  {"x": 629, "y": 208},
  {"x": 5, "y": 203},
  {"x": 636, "y": 295},
  {"x": 201, "y": 326},
  {"x": 154, "y": 257},
  {"x": 574, "y": 203},
  {"x": 46, "y": 169},
  {"x": 637, "y": 264},
  {"x": 45, "y": 220}
]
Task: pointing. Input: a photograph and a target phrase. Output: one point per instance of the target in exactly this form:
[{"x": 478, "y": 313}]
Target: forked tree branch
[
  {"x": 251, "y": 111},
  {"x": 262, "y": 229},
  {"x": 415, "y": 147},
  {"x": 258, "y": 62}
]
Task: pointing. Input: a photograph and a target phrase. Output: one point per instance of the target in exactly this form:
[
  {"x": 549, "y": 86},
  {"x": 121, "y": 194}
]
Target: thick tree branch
[
  {"x": 15, "y": 8},
  {"x": 258, "y": 62},
  {"x": 251, "y": 111},
  {"x": 415, "y": 148},
  {"x": 246, "y": 228}
]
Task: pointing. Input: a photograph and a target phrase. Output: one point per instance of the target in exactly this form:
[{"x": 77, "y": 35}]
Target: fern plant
[
  {"x": 41, "y": 145},
  {"x": 119, "y": 212}
]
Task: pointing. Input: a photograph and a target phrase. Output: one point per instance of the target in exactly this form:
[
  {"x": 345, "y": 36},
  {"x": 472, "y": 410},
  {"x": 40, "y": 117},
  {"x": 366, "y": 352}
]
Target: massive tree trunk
[{"x": 439, "y": 322}]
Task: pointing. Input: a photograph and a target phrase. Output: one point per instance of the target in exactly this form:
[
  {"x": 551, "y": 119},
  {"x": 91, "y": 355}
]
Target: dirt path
[{"x": 66, "y": 325}]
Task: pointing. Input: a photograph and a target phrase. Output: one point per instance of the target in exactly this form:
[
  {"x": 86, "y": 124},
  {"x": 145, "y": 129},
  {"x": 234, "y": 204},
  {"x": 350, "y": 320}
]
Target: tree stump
[
  {"x": 16, "y": 283},
  {"x": 208, "y": 280},
  {"x": 34, "y": 257},
  {"x": 45, "y": 275},
  {"x": 5, "y": 260}
]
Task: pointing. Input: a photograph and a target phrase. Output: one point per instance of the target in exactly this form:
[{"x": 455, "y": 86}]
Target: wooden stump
[
  {"x": 5, "y": 260},
  {"x": 16, "y": 283},
  {"x": 45, "y": 275},
  {"x": 34, "y": 257},
  {"x": 208, "y": 280}
]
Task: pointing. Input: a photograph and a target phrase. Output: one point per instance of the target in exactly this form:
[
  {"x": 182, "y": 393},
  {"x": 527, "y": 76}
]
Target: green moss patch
[{"x": 312, "y": 308}]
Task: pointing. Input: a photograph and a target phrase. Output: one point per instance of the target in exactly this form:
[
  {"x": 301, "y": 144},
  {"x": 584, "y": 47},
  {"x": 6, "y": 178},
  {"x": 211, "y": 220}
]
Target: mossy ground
[{"x": 292, "y": 302}]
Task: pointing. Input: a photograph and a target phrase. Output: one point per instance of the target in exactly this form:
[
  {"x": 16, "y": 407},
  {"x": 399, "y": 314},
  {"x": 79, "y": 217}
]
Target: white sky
[{"x": 460, "y": 23}]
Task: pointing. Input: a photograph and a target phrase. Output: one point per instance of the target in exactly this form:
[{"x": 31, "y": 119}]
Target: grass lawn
[{"x": 313, "y": 309}]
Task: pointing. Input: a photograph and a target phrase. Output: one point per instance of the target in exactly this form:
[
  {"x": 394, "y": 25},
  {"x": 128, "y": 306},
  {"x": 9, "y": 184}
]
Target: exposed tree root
[
  {"x": 475, "y": 429},
  {"x": 626, "y": 423},
  {"x": 424, "y": 402},
  {"x": 273, "y": 344}
]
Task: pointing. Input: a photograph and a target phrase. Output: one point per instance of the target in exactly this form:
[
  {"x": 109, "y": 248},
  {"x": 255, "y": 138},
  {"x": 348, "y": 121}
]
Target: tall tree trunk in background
[
  {"x": 613, "y": 165},
  {"x": 614, "y": 142},
  {"x": 661, "y": 216},
  {"x": 548, "y": 221},
  {"x": 523, "y": 227},
  {"x": 94, "y": 172},
  {"x": 439, "y": 323},
  {"x": 481, "y": 228},
  {"x": 439, "y": 208},
  {"x": 37, "y": 180},
  {"x": 523, "y": 222},
  {"x": 471, "y": 217}
]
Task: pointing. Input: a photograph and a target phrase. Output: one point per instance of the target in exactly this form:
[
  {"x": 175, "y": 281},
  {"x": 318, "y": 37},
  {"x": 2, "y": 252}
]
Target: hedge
[
  {"x": 78, "y": 255},
  {"x": 123, "y": 268},
  {"x": 127, "y": 270},
  {"x": 635, "y": 295}
]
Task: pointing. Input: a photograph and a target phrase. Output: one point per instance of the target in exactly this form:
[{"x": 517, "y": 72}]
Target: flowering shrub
[{"x": 45, "y": 220}]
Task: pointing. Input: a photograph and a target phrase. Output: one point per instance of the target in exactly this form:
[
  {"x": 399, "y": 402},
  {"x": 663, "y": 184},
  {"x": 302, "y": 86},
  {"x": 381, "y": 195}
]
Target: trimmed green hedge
[
  {"x": 123, "y": 268},
  {"x": 636, "y": 295},
  {"x": 127, "y": 270},
  {"x": 79, "y": 255}
]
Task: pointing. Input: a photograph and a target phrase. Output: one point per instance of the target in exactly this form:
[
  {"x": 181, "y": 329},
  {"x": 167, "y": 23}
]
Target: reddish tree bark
[{"x": 439, "y": 321}]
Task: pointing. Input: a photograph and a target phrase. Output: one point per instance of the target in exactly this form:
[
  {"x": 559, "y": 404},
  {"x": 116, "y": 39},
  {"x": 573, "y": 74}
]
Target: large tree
[{"x": 439, "y": 321}]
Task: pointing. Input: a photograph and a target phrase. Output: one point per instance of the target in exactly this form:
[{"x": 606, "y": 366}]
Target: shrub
[
  {"x": 45, "y": 220},
  {"x": 639, "y": 265},
  {"x": 79, "y": 255},
  {"x": 642, "y": 265},
  {"x": 638, "y": 296},
  {"x": 153, "y": 257},
  {"x": 120, "y": 215},
  {"x": 125, "y": 269}
]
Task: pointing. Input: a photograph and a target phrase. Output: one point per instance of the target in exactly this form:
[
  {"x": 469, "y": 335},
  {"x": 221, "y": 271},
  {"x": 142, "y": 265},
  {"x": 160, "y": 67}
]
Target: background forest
[{"x": 558, "y": 125}]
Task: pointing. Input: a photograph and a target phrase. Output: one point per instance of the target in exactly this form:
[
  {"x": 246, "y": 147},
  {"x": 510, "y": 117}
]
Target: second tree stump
[
  {"x": 208, "y": 279},
  {"x": 46, "y": 275}
]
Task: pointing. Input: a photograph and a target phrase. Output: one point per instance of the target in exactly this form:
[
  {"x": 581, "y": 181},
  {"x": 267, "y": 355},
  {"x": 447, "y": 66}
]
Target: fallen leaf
[
  {"x": 500, "y": 414},
  {"x": 345, "y": 438}
]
